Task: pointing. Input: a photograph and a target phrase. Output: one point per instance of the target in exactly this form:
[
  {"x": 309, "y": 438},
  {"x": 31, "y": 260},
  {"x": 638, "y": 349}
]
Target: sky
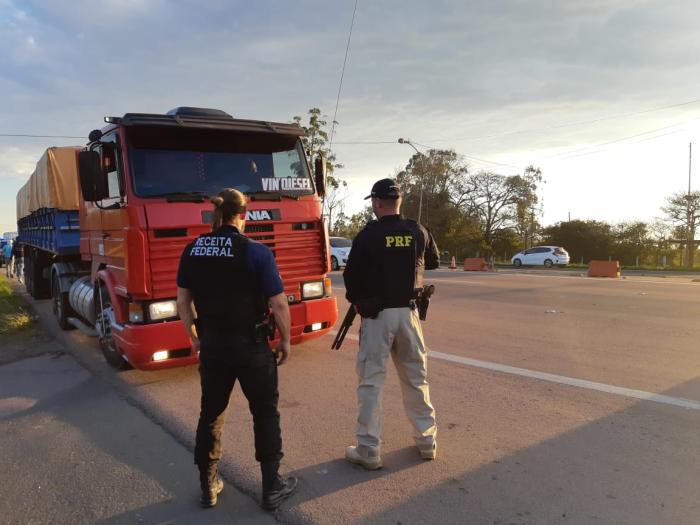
[{"x": 602, "y": 96}]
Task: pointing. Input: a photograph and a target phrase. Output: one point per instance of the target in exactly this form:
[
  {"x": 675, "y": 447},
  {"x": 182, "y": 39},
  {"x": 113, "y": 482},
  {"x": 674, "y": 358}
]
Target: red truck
[{"x": 144, "y": 183}]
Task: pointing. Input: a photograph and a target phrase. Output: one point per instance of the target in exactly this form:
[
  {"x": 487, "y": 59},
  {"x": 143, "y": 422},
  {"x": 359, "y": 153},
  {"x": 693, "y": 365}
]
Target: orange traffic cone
[{"x": 453, "y": 263}]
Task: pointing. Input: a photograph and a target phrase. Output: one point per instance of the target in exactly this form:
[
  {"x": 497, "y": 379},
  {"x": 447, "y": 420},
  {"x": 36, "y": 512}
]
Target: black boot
[
  {"x": 275, "y": 488},
  {"x": 211, "y": 485}
]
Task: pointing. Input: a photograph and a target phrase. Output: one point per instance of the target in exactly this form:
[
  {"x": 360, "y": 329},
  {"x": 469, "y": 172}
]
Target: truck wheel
[
  {"x": 334, "y": 263},
  {"x": 40, "y": 286},
  {"x": 61, "y": 306},
  {"x": 103, "y": 325},
  {"x": 28, "y": 284}
]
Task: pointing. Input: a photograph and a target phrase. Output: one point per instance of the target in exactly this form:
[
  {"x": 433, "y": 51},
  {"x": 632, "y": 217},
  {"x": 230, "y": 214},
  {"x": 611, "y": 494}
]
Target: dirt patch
[{"x": 20, "y": 333}]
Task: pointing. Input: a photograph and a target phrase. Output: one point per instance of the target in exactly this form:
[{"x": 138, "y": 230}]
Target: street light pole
[{"x": 420, "y": 201}]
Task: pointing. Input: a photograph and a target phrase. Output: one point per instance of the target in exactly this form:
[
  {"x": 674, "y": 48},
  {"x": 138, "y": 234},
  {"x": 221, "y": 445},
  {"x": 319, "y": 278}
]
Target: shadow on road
[
  {"x": 638, "y": 466},
  {"x": 74, "y": 452}
]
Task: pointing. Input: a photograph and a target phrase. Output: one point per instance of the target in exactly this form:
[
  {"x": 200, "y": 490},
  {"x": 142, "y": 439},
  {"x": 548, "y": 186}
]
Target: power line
[
  {"x": 567, "y": 154},
  {"x": 532, "y": 130},
  {"x": 342, "y": 75},
  {"x": 486, "y": 161},
  {"x": 367, "y": 142},
  {"x": 571, "y": 124},
  {"x": 29, "y": 135}
]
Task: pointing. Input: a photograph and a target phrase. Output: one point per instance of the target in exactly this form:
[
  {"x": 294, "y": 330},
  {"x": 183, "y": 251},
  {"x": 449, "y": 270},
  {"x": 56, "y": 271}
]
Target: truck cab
[{"x": 146, "y": 181}]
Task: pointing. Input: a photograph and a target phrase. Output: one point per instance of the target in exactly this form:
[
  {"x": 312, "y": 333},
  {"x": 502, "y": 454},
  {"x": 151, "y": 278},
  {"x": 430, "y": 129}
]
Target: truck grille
[{"x": 298, "y": 254}]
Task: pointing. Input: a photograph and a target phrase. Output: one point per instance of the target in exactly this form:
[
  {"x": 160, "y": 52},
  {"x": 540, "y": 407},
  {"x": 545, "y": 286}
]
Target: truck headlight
[
  {"x": 312, "y": 290},
  {"x": 162, "y": 310}
]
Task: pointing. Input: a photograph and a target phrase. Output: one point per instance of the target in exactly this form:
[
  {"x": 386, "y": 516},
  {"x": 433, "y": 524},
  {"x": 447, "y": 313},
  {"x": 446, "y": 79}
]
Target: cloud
[
  {"x": 16, "y": 163},
  {"x": 444, "y": 73}
]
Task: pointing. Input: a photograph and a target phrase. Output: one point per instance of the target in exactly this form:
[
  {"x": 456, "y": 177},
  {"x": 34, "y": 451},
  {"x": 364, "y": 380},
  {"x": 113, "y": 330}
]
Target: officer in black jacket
[
  {"x": 383, "y": 271},
  {"x": 231, "y": 280}
]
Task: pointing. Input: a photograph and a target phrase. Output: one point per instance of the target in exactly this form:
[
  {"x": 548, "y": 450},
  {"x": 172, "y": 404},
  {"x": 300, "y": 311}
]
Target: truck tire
[
  {"x": 61, "y": 305},
  {"x": 40, "y": 286},
  {"x": 103, "y": 311},
  {"x": 28, "y": 284}
]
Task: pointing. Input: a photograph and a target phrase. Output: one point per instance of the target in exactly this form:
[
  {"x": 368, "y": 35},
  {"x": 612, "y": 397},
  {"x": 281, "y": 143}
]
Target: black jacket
[{"x": 387, "y": 260}]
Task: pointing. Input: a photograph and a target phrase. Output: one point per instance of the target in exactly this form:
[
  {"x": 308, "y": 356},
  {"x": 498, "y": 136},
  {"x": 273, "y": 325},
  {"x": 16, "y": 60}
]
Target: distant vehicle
[
  {"x": 547, "y": 256},
  {"x": 340, "y": 251}
]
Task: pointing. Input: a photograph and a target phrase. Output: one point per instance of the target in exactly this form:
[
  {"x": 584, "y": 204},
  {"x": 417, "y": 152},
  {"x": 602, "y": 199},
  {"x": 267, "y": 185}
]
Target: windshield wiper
[
  {"x": 183, "y": 196},
  {"x": 263, "y": 195}
]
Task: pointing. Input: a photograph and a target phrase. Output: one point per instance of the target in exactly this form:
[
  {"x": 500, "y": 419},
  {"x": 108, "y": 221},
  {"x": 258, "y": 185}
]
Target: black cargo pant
[{"x": 255, "y": 367}]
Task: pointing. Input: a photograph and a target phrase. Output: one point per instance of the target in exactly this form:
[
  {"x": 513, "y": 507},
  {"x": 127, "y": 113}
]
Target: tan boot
[
  {"x": 367, "y": 459},
  {"x": 428, "y": 453}
]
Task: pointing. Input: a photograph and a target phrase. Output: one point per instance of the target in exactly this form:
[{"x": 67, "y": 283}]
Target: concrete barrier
[
  {"x": 474, "y": 265},
  {"x": 604, "y": 269}
]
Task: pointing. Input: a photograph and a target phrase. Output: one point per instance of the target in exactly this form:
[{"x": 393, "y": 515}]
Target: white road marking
[
  {"x": 584, "y": 278},
  {"x": 562, "y": 380},
  {"x": 471, "y": 279}
]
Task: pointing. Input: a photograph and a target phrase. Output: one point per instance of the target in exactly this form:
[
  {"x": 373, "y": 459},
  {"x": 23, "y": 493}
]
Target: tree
[
  {"x": 527, "y": 207},
  {"x": 584, "y": 240},
  {"x": 632, "y": 242},
  {"x": 350, "y": 226},
  {"x": 315, "y": 145},
  {"x": 441, "y": 175},
  {"x": 493, "y": 200},
  {"x": 683, "y": 211}
]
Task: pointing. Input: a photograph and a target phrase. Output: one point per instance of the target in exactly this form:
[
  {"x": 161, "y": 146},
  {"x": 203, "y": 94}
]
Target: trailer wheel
[
  {"x": 103, "y": 323},
  {"x": 28, "y": 284},
  {"x": 40, "y": 287},
  {"x": 61, "y": 306}
]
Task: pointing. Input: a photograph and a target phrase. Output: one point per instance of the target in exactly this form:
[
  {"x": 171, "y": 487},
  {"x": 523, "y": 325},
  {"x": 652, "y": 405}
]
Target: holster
[{"x": 369, "y": 307}]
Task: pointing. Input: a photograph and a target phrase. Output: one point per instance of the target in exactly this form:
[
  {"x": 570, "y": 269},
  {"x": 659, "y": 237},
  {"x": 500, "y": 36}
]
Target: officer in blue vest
[
  {"x": 383, "y": 273},
  {"x": 233, "y": 284}
]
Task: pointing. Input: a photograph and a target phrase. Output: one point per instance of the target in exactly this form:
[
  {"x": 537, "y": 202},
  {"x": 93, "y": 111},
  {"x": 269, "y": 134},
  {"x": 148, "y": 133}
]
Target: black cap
[{"x": 385, "y": 189}]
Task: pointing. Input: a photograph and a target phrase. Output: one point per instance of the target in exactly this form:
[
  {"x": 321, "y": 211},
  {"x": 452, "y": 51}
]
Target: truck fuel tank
[{"x": 82, "y": 298}]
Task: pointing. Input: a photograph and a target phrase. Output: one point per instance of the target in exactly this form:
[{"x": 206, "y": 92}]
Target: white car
[
  {"x": 340, "y": 250},
  {"x": 547, "y": 256}
]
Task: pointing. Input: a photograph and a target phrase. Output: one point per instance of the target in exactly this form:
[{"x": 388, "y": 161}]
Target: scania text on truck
[{"x": 104, "y": 226}]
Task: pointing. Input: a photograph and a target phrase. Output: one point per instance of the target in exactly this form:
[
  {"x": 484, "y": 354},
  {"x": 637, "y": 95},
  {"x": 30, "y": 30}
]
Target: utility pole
[
  {"x": 690, "y": 220},
  {"x": 420, "y": 202}
]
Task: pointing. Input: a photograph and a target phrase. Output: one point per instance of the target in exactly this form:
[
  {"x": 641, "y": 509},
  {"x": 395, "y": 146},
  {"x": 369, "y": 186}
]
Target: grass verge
[{"x": 15, "y": 316}]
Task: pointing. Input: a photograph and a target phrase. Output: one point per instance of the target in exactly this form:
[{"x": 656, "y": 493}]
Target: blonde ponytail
[{"x": 229, "y": 203}]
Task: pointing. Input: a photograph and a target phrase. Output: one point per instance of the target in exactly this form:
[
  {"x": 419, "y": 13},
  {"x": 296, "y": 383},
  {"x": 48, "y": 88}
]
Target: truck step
[{"x": 83, "y": 327}]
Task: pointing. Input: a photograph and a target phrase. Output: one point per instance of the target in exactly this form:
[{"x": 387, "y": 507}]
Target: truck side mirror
[
  {"x": 320, "y": 175},
  {"x": 92, "y": 180}
]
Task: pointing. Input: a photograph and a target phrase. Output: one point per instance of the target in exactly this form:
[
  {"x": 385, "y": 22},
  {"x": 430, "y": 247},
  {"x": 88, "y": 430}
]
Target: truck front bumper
[
  {"x": 313, "y": 318},
  {"x": 139, "y": 343}
]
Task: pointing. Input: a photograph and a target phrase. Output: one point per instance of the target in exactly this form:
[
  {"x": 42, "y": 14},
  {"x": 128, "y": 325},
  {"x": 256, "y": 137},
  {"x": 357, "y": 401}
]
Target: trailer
[{"x": 48, "y": 222}]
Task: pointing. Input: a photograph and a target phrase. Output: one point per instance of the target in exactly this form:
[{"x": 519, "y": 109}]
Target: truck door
[{"x": 113, "y": 213}]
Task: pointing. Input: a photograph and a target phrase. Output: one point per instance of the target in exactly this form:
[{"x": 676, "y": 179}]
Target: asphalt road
[{"x": 560, "y": 399}]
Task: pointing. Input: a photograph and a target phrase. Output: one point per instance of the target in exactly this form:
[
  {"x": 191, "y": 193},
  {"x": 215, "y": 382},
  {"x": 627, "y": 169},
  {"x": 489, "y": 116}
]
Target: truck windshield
[{"x": 162, "y": 172}]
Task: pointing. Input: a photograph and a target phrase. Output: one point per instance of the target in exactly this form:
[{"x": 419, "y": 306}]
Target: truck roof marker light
[{"x": 112, "y": 120}]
